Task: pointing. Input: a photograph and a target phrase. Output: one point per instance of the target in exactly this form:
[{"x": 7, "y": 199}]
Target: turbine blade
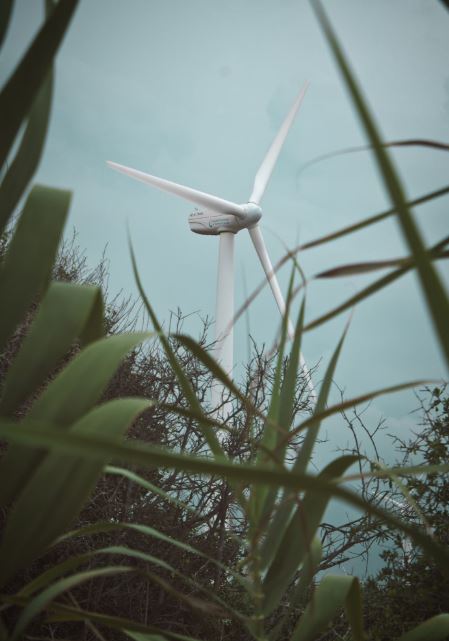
[
  {"x": 266, "y": 168},
  {"x": 193, "y": 195},
  {"x": 261, "y": 249}
]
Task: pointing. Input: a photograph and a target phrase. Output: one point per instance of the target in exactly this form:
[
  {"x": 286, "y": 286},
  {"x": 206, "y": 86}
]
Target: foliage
[{"x": 62, "y": 432}]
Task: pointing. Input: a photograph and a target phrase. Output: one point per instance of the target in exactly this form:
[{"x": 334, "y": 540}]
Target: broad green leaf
[
  {"x": 40, "y": 434},
  {"x": 354, "y": 611},
  {"x": 42, "y": 600},
  {"x": 434, "y": 629},
  {"x": 308, "y": 571},
  {"x": 5, "y": 15},
  {"x": 28, "y": 155},
  {"x": 326, "y": 603},
  {"x": 19, "y": 92},
  {"x": 55, "y": 494},
  {"x": 27, "y": 267},
  {"x": 295, "y": 541},
  {"x": 431, "y": 283},
  {"x": 68, "y": 397},
  {"x": 373, "y": 288},
  {"x": 68, "y": 311}
]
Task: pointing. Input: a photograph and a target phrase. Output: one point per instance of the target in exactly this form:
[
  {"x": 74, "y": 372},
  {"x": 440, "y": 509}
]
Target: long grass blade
[
  {"x": 356, "y": 269},
  {"x": 102, "y": 527},
  {"x": 431, "y": 284},
  {"x": 308, "y": 571},
  {"x": 344, "y": 231},
  {"x": 328, "y": 599},
  {"x": 5, "y": 16},
  {"x": 295, "y": 540},
  {"x": 29, "y": 152},
  {"x": 39, "y": 434},
  {"x": 411, "y": 142},
  {"x": 185, "y": 384}
]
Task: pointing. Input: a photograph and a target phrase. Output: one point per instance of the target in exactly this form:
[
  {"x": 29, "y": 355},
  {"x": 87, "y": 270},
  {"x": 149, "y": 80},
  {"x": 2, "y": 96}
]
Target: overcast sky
[{"x": 194, "y": 92}]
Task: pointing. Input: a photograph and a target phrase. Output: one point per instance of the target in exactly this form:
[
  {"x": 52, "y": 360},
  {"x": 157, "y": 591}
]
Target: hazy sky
[{"x": 194, "y": 92}]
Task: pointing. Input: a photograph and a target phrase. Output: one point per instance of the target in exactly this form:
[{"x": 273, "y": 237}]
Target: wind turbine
[{"x": 223, "y": 218}]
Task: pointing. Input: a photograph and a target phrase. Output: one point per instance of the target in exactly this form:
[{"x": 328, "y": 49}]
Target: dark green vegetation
[{"x": 210, "y": 529}]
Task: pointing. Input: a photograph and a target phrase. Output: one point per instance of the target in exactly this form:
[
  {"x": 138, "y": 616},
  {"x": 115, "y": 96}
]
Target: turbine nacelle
[{"x": 211, "y": 223}]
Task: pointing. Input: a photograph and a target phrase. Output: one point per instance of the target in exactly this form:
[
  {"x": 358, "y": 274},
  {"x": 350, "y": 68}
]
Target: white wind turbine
[{"x": 223, "y": 218}]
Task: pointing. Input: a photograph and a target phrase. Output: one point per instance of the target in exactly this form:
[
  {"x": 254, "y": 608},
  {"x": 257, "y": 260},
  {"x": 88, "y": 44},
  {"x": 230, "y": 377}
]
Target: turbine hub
[{"x": 210, "y": 223}]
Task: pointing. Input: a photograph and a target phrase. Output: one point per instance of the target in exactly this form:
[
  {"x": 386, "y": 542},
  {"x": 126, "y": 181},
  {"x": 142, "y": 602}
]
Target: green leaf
[
  {"x": 284, "y": 416},
  {"x": 27, "y": 266},
  {"x": 4, "y": 634},
  {"x": 40, "y": 434},
  {"x": 435, "y": 629},
  {"x": 138, "y": 636},
  {"x": 366, "y": 222},
  {"x": 70, "y": 395},
  {"x": 431, "y": 284},
  {"x": 67, "y": 613},
  {"x": 55, "y": 494},
  {"x": 354, "y": 611},
  {"x": 5, "y": 15},
  {"x": 29, "y": 153},
  {"x": 102, "y": 527},
  {"x": 272, "y": 426},
  {"x": 327, "y": 600},
  {"x": 42, "y": 600},
  {"x": 278, "y": 526},
  {"x": 67, "y": 312},
  {"x": 308, "y": 571},
  {"x": 20, "y": 90},
  {"x": 356, "y": 269},
  {"x": 295, "y": 541},
  {"x": 123, "y": 551}
]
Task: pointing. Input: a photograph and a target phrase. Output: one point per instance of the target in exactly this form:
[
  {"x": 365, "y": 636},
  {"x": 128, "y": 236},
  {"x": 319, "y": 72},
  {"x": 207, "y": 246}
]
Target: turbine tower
[{"x": 218, "y": 217}]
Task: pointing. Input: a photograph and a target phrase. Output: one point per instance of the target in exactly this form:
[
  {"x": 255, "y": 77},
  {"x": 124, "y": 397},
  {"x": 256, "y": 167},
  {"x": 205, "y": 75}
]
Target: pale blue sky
[{"x": 194, "y": 92}]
